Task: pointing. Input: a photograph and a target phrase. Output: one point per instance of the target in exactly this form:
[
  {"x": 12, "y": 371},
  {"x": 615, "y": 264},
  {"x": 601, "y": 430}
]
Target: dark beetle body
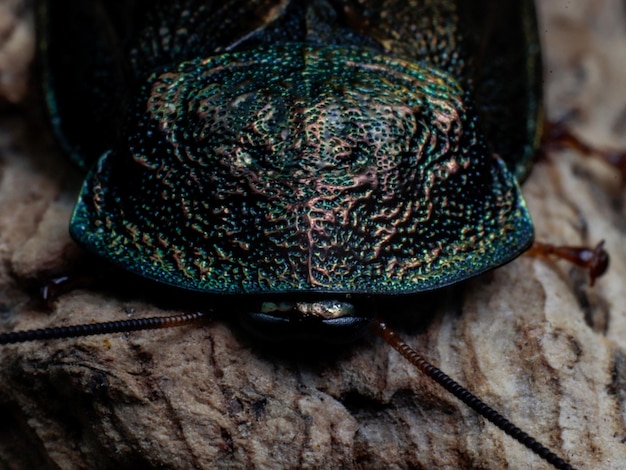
[{"x": 320, "y": 147}]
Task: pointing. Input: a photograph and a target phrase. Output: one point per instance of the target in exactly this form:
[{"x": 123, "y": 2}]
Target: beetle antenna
[
  {"x": 438, "y": 376},
  {"x": 75, "y": 331}
]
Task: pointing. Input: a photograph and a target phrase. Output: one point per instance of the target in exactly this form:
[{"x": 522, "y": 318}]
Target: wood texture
[{"x": 532, "y": 339}]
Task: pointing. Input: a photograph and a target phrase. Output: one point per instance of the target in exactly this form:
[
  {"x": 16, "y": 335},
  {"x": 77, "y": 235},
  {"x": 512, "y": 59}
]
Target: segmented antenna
[
  {"x": 392, "y": 338},
  {"x": 122, "y": 326}
]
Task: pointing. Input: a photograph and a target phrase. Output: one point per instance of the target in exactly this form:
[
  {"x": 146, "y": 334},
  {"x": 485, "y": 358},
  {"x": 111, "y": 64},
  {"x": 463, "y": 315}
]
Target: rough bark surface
[{"x": 532, "y": 338}]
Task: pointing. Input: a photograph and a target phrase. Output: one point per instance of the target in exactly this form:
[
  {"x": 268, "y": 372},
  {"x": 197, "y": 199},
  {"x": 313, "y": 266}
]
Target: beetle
[{"x": 92, "y": 197}]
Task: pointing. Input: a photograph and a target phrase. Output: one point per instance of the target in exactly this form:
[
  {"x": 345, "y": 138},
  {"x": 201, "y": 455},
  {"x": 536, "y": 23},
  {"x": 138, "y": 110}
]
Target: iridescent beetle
[
  {"x": 311, "y": 154},
  {"x": 310, "y": 151}
]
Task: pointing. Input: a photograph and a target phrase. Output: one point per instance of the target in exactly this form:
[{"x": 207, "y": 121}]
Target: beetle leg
[
  {"x": 558, "y": 135},
  {"x": 595, "y": 260},
  {"x": 57, "y": 286}
]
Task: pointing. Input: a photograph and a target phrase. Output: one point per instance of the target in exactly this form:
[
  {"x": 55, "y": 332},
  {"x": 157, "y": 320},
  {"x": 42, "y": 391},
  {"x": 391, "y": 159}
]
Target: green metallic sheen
[{"x": 310, "y": 146}]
